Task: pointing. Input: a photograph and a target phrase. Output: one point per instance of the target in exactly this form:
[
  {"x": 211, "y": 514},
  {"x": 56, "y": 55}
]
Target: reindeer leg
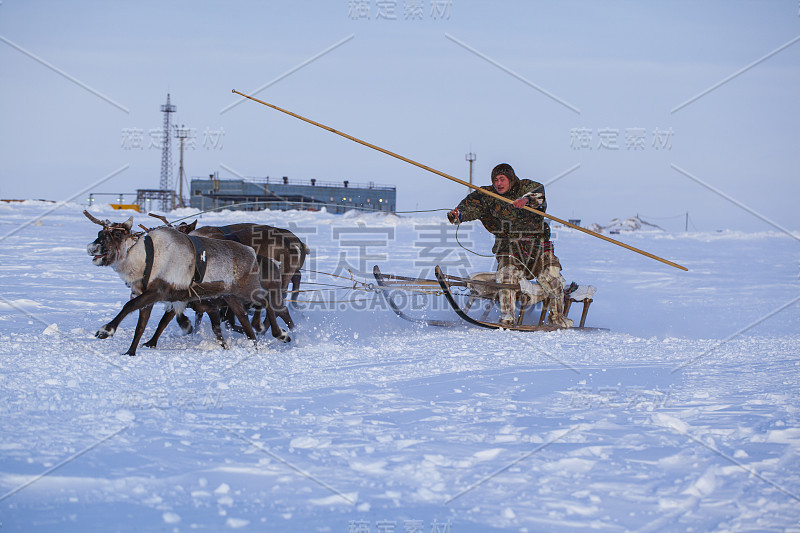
[
  {"x": 216, "y": 327},
  {"x": 283, "y": 313},
  {"x": 291, "y": 256},
  {"x": 230, "y": 319},
  {"x": 198, "y": 318},
  {"x": 268, "y": 299},
  {"x": 286, "y": 275},
  {"x": 141, "y": 301},
  {"x": 258, "y": 326},
  {"x": 296, "y": 287},
  {"x": 144, "y": 316},
  {"x": 238, "y": 310},
  {"x": 277, "y": 332},
  {"x": 162, "y": 325},
  {"x": 276, "y": 303},
  {"x": 184, "y": 322}
]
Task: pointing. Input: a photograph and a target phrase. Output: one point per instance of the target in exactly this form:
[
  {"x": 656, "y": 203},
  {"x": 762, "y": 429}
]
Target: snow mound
[{"x": 617, "y": 225}]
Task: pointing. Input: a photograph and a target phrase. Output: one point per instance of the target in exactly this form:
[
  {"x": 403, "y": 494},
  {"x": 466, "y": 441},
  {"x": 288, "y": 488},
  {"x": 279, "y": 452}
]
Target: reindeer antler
[
  {"x": 91, "y": 217},
  {"x": 162, "y": 218}
]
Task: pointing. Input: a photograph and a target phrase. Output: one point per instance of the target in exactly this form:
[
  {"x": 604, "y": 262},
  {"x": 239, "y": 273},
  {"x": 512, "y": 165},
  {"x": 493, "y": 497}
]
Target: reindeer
[
  {"x": 163, "y": 266},
  {"x": 270, "y": 282},
  {"x": 269, "y": 242},
  {"x": 277, "y": 243}
]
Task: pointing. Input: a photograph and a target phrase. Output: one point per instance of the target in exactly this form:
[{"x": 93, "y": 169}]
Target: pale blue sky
[{"x": 418, "y": 87}]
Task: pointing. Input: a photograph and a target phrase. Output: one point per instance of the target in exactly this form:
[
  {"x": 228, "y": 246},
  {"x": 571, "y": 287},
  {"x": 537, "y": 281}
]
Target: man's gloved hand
[
  {"x": 531, "y": 199},
  {"x": 454, "y": 216},
  {"x": 520, "y": 202},
  {"x": 536, "y": 199}
]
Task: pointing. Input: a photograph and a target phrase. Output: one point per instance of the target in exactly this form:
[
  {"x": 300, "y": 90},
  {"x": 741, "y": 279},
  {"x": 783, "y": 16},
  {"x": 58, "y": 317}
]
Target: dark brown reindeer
[{"x": 163, "y": 266}]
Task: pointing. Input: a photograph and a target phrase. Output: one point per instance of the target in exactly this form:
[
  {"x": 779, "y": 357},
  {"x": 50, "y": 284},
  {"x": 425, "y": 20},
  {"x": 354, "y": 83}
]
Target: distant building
[{"x": 283, "y": 194}]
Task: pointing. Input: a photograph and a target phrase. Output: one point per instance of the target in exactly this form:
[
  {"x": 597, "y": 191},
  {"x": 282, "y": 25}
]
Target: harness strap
[
  {"x": 200, "y": 262},
  {"x": 149, "y": 252}
]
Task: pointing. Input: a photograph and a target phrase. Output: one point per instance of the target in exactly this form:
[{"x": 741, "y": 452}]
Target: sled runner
[
  {"x": 481, "y": 288},
  {"x": 390, "y": 283}
]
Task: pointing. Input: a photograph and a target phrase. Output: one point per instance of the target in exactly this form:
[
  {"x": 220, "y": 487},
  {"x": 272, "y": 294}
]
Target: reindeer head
[{"x": 110, "y": 242}]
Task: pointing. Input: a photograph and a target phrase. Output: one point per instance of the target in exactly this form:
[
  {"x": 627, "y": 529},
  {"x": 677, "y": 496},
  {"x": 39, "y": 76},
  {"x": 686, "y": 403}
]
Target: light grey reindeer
[{"x": 161, "y": 266}]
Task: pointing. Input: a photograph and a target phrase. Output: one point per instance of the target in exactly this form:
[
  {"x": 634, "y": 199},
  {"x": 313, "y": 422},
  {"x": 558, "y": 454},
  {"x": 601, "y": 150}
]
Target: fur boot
[
  {"x": 552, "y": 282},
  {"x": 508, "y": 297}
]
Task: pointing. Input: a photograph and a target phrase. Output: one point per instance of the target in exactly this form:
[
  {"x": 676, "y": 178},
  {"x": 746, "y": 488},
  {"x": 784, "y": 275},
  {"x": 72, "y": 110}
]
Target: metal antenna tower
[{"x": 166, "y": 154}]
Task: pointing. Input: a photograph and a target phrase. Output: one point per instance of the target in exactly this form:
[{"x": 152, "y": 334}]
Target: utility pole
[
  {"x": 181, "y": 133},
  {"x": 471, "y": 158}
]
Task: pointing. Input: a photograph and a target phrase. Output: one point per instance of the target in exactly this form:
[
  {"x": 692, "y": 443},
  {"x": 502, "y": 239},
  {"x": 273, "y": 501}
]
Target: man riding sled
[{"x": 522, "y": 239}]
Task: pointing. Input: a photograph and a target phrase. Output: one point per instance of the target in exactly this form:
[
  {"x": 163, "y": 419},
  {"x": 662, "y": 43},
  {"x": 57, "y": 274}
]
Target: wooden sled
[{"x": 480, "y": 288}]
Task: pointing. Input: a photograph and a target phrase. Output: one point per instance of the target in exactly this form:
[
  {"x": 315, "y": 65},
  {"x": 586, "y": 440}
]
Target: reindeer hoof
[
  {"x": 132, "y": 353},
  {"x": 184, "y": 323},
  {"x": 148, "y": 344},
  {"x": 104, "y": 333},
  {"x": 284, "y": 337}
]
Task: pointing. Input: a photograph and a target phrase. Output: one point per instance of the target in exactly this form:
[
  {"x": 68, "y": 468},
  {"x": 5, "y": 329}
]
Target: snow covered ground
[{"x": 685, "y": 416}]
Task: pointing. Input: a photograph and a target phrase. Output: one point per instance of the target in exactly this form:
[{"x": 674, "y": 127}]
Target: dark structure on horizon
[
  {"x": 165, "y": 182},
  {"x": 284, "y": 194}
]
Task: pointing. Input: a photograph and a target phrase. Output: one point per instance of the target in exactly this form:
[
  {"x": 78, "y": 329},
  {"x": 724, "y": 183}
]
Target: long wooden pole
[{"x": 462, "y": 182}]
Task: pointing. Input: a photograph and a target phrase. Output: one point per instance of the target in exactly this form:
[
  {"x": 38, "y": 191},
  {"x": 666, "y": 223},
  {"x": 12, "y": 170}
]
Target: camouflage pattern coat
[{"x": 516, "y": 231}]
